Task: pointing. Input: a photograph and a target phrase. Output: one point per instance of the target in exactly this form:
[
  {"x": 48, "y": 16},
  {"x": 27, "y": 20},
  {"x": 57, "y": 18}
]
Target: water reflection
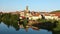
[{"x": 4, "y": 29}]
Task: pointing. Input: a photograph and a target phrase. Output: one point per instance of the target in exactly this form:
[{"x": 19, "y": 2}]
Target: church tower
[
  {"x": 27, "y": 9},
  {"x": 26, "y": 13}
]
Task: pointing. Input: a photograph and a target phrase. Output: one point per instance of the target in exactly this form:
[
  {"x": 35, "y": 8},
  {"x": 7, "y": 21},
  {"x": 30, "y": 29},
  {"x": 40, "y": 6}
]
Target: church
[{"x": 29, "y": 14}]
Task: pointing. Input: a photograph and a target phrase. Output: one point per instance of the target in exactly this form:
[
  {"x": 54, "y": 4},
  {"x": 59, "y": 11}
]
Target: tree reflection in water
[{"x": 10, "y": 20}]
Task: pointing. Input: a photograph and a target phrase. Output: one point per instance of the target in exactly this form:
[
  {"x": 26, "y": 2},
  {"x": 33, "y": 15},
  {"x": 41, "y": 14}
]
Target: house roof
[
  {"x": 56, "y": 14},
  {"x": 35, "y": 14}
]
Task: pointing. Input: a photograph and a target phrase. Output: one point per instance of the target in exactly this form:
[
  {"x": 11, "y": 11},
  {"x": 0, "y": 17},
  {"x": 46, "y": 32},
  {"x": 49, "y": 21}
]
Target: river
[{"x": 5, "y": 29}]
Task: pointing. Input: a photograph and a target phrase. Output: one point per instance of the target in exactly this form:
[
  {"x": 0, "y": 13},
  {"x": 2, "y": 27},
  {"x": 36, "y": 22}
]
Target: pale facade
[
  {"x": 35, "y": 17},
  {"x": 21, "y": 13},
  {"x": 51, "y": 17}
]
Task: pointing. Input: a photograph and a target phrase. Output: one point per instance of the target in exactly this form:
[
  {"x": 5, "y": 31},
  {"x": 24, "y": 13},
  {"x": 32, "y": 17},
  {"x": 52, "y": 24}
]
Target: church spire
[{"x": 27, "y": 9}]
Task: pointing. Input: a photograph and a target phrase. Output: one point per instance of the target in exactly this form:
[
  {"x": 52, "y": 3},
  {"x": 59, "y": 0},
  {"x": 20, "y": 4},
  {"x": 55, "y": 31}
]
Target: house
[{"x": 51, "y": 16}]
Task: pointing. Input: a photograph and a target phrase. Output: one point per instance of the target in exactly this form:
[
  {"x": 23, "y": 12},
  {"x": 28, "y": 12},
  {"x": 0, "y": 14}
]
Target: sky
[{"x": 34, "y": 5}]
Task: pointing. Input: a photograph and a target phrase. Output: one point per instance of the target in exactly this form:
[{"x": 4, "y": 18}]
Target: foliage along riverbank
[
  {"x": 52, "y": 25},
  {"x": 10, "y": 20}
]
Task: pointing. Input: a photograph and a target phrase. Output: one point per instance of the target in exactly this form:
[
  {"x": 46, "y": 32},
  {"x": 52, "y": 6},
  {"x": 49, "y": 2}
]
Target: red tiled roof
[
  {"x": 35, "y": 14},
  {"x": 47, "y": 14},
  {"x": 56, "y": 14}
]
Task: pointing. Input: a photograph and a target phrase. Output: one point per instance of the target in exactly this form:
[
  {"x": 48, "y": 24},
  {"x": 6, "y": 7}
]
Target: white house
[
  {"x": 51, "y": 16},
  {"x": 35, "y": 17}
]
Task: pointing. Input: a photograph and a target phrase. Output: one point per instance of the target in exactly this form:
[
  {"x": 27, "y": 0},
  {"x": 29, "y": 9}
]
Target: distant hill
[{"x": 57, "y": 11}]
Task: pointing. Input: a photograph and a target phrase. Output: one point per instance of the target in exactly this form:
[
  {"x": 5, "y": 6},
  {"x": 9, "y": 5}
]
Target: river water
[{"x": 4, "y": 29}]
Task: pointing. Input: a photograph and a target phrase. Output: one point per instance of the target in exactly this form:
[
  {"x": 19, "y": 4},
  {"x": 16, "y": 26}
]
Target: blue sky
[{"x": 36, "y": 5}]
